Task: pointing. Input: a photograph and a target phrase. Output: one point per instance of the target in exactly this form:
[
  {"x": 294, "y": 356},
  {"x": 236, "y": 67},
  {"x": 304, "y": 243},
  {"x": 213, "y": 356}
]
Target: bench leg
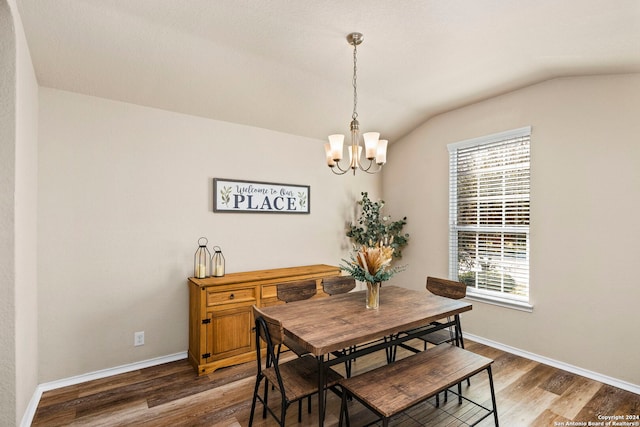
[{"x": 344, "y": 411}]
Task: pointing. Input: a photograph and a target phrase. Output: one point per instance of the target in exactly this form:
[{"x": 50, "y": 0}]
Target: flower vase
[{"x": 373, "y": 294}]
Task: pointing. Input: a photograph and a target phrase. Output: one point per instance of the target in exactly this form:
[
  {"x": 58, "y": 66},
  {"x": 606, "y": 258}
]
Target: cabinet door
[{"x": 230, "y": 332}]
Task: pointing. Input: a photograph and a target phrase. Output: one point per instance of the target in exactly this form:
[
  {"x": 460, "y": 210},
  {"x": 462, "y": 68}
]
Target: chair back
[
  {"x": 446, "y": 288},
  {"x": 296, "y": 291},
  {"x": 338, "y": 284},
  {"x": 272, "y": 330}
]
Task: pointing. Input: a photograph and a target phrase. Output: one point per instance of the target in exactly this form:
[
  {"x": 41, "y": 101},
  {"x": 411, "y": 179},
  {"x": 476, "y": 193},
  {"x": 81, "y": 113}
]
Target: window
[{"x": 489, "y": 217}]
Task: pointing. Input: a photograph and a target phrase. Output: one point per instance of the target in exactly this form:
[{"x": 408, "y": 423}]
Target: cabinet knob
[{"x": 232, "y": 296}]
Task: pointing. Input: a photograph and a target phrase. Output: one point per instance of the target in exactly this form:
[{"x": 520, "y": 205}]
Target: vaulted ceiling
[{"x": 286, "y": 65}]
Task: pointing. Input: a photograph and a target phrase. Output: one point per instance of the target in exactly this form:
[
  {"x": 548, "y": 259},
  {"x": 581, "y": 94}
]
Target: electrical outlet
[{"x": 138, "y": 338}]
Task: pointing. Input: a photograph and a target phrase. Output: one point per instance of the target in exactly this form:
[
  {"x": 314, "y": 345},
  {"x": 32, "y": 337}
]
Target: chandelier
[{"x": 375, "y": 149}]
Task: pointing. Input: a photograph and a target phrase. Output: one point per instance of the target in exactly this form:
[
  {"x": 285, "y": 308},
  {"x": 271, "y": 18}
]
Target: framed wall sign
[{"x": 230, "y": 195}]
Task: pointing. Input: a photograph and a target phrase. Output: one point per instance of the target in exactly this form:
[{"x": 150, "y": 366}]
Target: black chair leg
[
  {"x": 255, "y": 398},
  {"x": 265, "y": 400},
  {"x": 347, "y": 368},
  {"x": 392, "y": 351},
  {"x": 283, "y": 413}
]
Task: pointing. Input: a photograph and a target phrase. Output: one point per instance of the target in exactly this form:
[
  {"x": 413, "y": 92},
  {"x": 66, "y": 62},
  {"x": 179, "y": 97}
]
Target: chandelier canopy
[{"x": 375, "y": 149}]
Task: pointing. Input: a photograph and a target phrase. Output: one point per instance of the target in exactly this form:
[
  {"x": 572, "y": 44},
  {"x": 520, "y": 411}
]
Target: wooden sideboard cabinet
[{"x": 220, "y": 316}]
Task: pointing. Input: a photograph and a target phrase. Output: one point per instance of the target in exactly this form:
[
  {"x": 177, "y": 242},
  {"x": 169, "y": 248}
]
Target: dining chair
[
  {"x": 287, "y": 292},
  {"x": 338, "y": 284},
  {"x": 448, "y": 289},
  {"x": 298, "y": 290},
  {"x": 294, "y": 379}
]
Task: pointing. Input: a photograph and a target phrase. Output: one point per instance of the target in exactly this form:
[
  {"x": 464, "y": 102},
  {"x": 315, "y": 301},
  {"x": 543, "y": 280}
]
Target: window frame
[{"x": 499, "y": 298}]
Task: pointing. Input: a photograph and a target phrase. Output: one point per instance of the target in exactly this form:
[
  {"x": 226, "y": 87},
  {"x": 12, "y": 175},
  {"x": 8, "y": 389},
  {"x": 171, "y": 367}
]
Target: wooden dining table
[{"x": 326, "y": 326}]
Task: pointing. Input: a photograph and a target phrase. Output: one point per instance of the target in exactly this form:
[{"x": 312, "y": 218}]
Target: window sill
[{"x": 501, "y": 302}]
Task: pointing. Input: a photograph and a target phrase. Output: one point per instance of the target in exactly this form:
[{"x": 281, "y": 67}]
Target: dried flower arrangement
[{"x": 371, "y": 264}]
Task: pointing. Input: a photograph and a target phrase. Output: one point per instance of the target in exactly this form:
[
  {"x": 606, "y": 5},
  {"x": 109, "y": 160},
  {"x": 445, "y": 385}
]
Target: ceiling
[{"x": 285, "y": 65}]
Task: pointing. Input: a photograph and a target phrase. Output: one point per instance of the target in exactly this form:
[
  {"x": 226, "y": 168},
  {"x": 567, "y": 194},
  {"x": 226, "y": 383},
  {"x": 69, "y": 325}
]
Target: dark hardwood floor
[{"x": 528, "y": 394}]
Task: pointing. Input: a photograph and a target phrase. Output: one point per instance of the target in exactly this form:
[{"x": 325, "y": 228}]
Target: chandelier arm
[
  {"x": 362, "y": 168},
  {"x": 342, "y": 171},
  {"x": 367, "y": 170},
  {"x": 338, "y": 173}
]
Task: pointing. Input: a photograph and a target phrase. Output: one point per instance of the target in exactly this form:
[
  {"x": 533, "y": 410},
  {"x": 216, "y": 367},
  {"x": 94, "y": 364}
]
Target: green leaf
[{"x": 372, "y": 227}]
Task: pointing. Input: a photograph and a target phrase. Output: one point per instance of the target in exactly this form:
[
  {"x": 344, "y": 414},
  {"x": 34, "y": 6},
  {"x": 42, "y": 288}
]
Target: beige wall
[
  {"x": 26, "y": 224},
  {"x": 585, "y": 195},
  {"x": 7, "y": 217},
  {"x": 18, "y": 178},
  {"x": 125, "y": 193}
]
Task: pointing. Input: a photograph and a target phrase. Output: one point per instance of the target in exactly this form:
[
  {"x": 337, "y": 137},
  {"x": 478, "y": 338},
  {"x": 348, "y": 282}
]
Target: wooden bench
[{"x": 396, "y": 387}]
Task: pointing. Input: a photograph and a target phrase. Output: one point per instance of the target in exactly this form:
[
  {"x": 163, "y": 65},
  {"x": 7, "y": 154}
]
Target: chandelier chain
[{"x": 354, "y": 116}]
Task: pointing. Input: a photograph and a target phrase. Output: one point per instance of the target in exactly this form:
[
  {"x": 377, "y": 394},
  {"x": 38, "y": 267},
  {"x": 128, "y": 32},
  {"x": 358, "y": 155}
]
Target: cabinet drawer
[
  {"x": 230, "y": 297},
  {"x": 269, "y": 291}
]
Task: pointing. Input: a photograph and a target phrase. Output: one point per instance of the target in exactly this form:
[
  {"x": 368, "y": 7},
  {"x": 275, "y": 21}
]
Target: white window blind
[{"x": 489, "y": 214}]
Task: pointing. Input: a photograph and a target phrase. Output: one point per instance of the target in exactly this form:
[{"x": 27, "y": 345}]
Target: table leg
[
  {"x": 321, "y": 390},
  {"x": 460, "y": 343}
]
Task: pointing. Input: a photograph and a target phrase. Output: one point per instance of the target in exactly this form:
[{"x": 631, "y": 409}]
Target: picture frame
[{"x": 243, "y": 196}]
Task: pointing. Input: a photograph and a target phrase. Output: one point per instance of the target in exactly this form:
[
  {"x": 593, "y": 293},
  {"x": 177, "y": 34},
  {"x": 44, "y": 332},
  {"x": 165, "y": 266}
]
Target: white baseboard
[
  {"x": 27, "y": 419},
  {"x": 624, "y": 385}
]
